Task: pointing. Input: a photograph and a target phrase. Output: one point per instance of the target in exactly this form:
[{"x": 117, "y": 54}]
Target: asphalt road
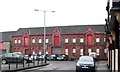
[
  {"x": 64, "y": 66},
  {"x": 55, "y": 66}
]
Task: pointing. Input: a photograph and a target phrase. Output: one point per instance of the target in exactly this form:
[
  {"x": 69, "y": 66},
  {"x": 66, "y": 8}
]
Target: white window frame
[
  {"x": 66, "y": 40},
  {"x": 97, "y": 39},
  {"x": 33, "y": 52},
  {"x": 74, "y": 40},
  {"x": 81, "y": 51},
  {"x": 46, "y": 52},
  {"x": 97, "y": 51},
  {"x": 66, "y": 51},
  {"x": 40, "y": 40},
  {"x": 15, "y": 41},
  {"x": 105, "y": 50},
  {"x": 46, "y": 40},
  {"x": 33, "y": 40},
  {"x": 73, "y": 50},
  {"x": 104, "y": 39},
  {"x": 89, "y": 50},
  {"x": 40, "y": 52},
  {"x": 81, "y": 40},
  {"x": 19, "y": 41}
]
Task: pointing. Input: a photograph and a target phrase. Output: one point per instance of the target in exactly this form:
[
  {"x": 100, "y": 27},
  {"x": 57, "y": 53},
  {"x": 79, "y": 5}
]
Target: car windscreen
[{"x": 85, "y": 58}]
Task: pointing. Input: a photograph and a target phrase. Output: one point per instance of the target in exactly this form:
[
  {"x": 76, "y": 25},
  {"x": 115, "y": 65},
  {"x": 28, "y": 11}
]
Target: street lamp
[{"x": 44, "y": 30}]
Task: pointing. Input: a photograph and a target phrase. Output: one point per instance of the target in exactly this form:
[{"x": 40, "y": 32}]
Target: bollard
[
  {"x": 28, "y": 62},
  {"x": 41, "y": 60},
  {"x": 16, "y": 62},
  {"x": 33, "y": 61},
  {"x": 9, "y": 63},
  {"x": 38, "y": 61},
  {"x": 23, "y": 62}
]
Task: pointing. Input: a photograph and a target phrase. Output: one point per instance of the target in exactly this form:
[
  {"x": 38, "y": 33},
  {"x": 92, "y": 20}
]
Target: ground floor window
[
  {"x": 89, "y": 50},
  {"x": 81, "y": 51},
  {"x": 97, "y": 51},
  {"x": 66, "y": 51},
  {"x": 73, "y": 50}
]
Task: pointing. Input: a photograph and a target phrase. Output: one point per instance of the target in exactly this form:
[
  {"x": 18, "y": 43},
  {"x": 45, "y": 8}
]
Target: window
[
  {"x": 40, "y": 40},
  {"x": 15, "y": 41},
  {"x": 66, "y": 51},
  {"x": 97, "y": 39},
  {"x": 89, "y": 50},
  {"x": 46, "y": 40},
  {"x": 33, "y": 40},
  {"x": 81, "y": 40},
  {"x": 105, "y": 50},
  {"x": 19, "y": 41},
  {"x": 81, "y": 51},
  {"x": 97, "y": 51},
  {"x": 33, "y": 52},
  {"x": 40, "y": 52},
  {"x": 25, "y": 41},
  {"x": 66, "y": 40},
  {"x": 74, "y": 40},
  {"x": 104, "y": 39},
  {"x": 46, "y": 52},
  {"x": 74, "y": 50}
]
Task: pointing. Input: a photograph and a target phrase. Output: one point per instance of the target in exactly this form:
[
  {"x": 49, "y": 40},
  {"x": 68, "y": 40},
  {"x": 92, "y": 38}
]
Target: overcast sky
[{"x": 15, "y": 14}]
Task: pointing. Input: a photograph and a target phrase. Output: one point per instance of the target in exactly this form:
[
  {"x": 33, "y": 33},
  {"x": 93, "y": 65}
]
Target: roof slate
[{"x": 74, "y": 29}]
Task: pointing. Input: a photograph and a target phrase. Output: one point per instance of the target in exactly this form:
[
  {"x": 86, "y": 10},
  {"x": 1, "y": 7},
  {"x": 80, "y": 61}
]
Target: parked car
[
  {"x": 85, "y": 63},
  {"x": 48, "y": 57},
  {"x": 34, "y": 57},
  {"x": 62, "y": 57},
  {"x": 94, "y": 55},
  {"x": 54, "y": 57},
  {"x": 14, "y": 58}
]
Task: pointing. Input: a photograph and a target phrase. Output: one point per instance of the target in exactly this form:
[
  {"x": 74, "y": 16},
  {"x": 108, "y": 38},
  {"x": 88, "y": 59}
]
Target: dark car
[
  {"x": 62, "y": 57},
  {"x": 85, "y": 63},
  {"x": 14, "y": 58}
]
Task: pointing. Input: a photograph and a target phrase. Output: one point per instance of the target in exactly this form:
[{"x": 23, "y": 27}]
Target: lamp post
[{"x": 44, "y": 46}]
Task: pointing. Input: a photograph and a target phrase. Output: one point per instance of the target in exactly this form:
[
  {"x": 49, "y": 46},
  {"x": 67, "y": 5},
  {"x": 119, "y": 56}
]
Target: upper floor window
[
  {"x": 81, "y": 40},
  {"x": 33, "y": 40},
  {"x": 46, "y": 40},
  {"x": 74, "y": 40},
  {"x": 19, "y": 41},
  {"x": 15, "y": 41},
  {"x": 66, "y": 40},
  {"x": 40, "y": 40},
  {"x": 97, "y": 39}
]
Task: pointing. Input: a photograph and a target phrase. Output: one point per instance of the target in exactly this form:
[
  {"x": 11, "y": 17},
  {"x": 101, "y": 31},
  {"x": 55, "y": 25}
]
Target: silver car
[{"x": 85, "y": 63}]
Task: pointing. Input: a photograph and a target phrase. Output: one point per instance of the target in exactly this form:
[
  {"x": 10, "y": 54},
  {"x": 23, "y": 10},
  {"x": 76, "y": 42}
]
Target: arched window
[{"x": 56, "y": 40}]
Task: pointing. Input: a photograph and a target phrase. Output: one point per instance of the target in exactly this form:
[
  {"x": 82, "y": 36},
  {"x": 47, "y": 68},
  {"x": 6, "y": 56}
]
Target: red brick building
[{"x": 71, "y": 40}]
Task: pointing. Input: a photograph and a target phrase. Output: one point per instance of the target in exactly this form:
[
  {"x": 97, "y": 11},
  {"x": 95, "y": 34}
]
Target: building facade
[
  {"x": 73, "y": 41},
  {"x": 113, "y": 35}
]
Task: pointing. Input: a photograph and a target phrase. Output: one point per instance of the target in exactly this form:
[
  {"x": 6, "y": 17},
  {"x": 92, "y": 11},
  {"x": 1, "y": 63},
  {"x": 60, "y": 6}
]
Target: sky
[{"x": 15, "y": 14}]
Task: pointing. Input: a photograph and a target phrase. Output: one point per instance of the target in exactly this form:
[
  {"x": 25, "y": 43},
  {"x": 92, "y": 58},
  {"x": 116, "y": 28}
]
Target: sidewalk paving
[{"x": 102, "y": 66}]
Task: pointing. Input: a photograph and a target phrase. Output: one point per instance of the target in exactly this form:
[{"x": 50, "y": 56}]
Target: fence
[{"x": 17, "y": 64}]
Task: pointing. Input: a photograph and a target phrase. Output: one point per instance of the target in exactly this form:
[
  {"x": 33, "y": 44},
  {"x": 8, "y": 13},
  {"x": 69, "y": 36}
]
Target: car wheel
[{"x": 4, "y": 61}]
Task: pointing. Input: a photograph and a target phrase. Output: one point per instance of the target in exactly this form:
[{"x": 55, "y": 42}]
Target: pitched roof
[
  {"x": 73, "y": 29},
  {"x": 6, "y": 35}
]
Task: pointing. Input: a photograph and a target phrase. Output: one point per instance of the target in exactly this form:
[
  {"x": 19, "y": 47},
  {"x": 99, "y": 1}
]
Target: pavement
[
  {"x": 21, "y": 68},
  {"x": 102, "y": 66}
]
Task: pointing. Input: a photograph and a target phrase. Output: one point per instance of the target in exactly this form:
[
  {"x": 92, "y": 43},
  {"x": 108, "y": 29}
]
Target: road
[{"x": 65, "y": 66}]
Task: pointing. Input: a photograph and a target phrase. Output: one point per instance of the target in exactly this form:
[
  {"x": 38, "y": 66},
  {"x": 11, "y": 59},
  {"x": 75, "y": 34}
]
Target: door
[{"x": 56, "y": 50}]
